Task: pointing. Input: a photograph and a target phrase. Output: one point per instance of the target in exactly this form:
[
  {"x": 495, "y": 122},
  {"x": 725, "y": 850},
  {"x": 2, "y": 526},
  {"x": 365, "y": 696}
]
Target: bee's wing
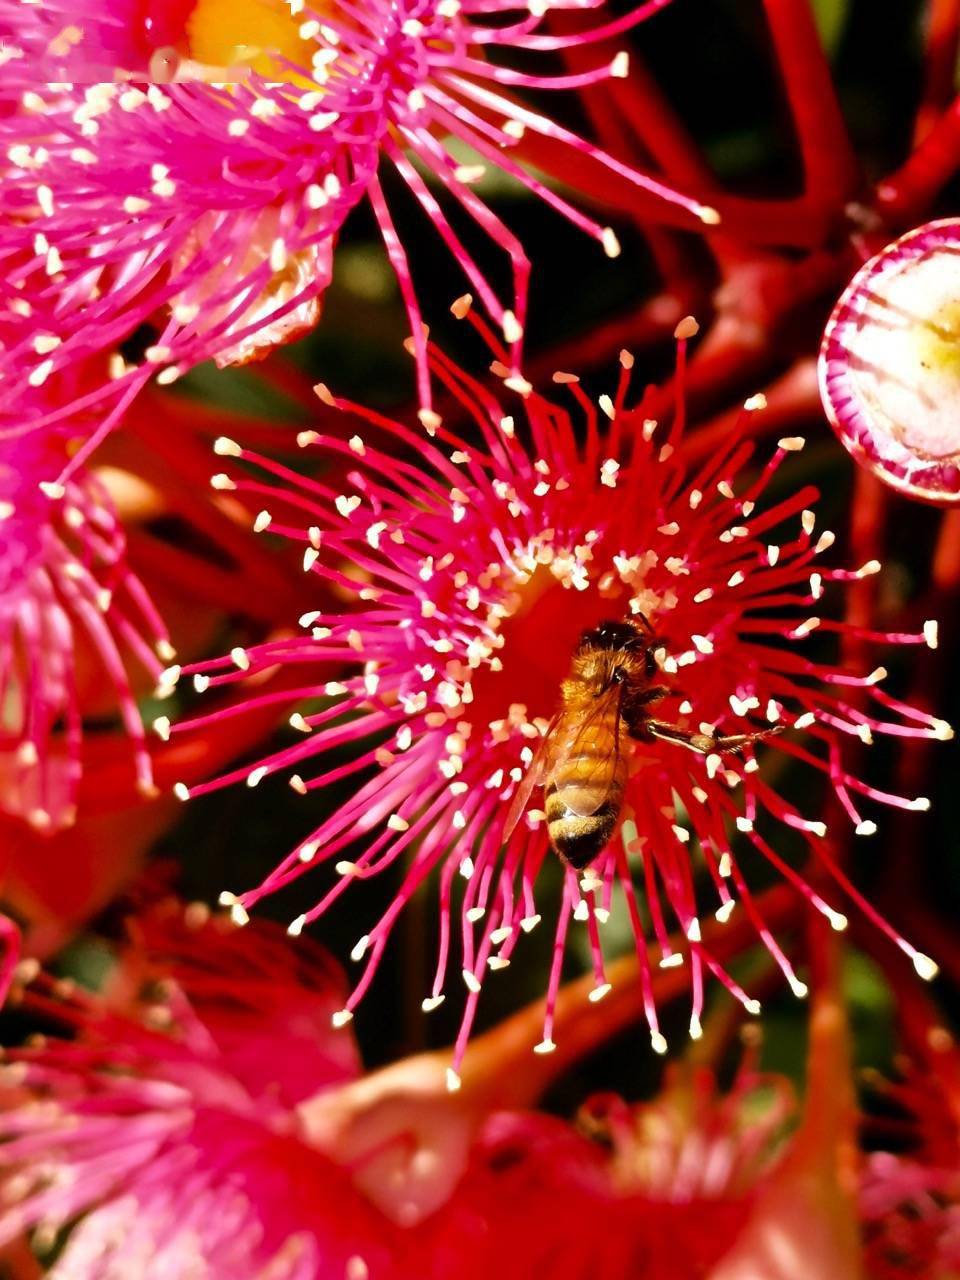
[
  {"x": 537, "y": 770},
  {"x": 593, "y": 779}
]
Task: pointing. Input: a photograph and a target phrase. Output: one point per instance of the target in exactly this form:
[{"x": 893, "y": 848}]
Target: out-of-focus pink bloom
[
  {"x": 211, "y": 209},
  {"x": 468, "y": 568},
  {"x": 659, "y": 1189},
  {"x": 67, "y": 597},
  {"x": 9, "y": 954},
  {"x": 168, "y": 1121},
  {"x": 889, "y": 371},
  {"x": 910, "y": 1201},
  {"x": 696, "y": 1183},
  {"x": 85, "y": 43},
  {"x": 911, "y": 1217}
]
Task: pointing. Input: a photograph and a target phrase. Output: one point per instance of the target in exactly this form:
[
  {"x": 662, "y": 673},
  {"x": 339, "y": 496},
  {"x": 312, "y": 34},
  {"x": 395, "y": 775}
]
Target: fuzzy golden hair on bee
[{"x": 584, "y": 760}]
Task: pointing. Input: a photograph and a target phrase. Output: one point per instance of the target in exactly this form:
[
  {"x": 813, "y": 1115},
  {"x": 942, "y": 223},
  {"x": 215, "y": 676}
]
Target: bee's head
[
  {"x": 613, "y": 636},
  {"x": 623, "y": 649}
]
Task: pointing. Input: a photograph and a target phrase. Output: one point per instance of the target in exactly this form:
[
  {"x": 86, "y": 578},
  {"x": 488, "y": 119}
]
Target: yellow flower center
[
  {"x": 247, "y": 33},
  {"x": 938, "y": 340}
]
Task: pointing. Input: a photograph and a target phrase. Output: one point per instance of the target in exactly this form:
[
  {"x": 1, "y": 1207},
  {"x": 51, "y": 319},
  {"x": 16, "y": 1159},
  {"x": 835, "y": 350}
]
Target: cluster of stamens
[{"x": 470, "y": 566}]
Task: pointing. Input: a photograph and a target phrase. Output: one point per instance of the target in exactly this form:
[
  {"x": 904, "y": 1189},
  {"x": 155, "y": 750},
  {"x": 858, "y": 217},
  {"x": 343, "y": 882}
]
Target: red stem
[
  {"x": 639, "y": 329},
  {"x": 940, "y": 60},
  {"x": 625, "y": 111},
  {"x": 634, "y": 119},
  {"x": 928, "y": 1038},
  {"x": 831, "y": 171},
  {"x": 906, "y": 193}
]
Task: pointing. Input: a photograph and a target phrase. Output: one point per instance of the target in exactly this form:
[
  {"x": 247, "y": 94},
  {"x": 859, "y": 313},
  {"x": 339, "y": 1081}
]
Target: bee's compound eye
[{"x": 619, "y": 675}]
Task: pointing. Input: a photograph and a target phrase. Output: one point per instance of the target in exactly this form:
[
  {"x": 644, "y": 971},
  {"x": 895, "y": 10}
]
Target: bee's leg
[
  {"x": 704, "y": 743},
  {"x": 634, "y": 709},
  {"x": 646, "y": 696},
  {"x": 734, "y": 741}
]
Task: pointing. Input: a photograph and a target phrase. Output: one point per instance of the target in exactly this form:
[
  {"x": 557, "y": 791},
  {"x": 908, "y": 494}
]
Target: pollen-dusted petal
[{"x": 890, "y": 368}]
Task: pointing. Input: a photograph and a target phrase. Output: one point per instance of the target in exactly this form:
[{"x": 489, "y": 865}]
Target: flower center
[
  {"x": 248, "y": 33},
  {"x": 938, "y": 341},
  {"x": 891, "y": 362},
  {"x": 539, "y": 635}
]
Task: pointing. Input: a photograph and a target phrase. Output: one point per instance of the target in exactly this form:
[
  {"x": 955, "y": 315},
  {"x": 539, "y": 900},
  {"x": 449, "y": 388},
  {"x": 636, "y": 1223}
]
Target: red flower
[
  {"x": 658, "y": 1190},
  {"x": 468, "y": 567}
]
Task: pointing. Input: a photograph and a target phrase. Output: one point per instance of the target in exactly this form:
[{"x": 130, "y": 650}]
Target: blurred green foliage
[{"x": 832, "y": 16}]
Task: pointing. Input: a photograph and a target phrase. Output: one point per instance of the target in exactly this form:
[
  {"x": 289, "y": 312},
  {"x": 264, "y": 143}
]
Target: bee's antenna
[{"x": 645, "y": 621}]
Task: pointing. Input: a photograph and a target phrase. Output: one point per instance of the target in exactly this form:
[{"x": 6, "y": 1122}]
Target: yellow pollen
[
  {"x": 247, "y": 33},
  {"x": 936, "y": 339}
]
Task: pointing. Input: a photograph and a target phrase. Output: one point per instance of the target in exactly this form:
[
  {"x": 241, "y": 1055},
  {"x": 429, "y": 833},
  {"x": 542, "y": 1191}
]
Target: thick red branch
[
  {"x": 905, "y": 195},
  {"x": 831, "y": 170},
  {"x": 940, "y": 60}
]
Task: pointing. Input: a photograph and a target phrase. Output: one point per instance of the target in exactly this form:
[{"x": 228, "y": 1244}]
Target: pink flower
[
  {"x": 468, "y": 568},
  {"x": 86, "y": 43},
  {"x": 168, "y": 1121},
  {"x": 212, "y": 209},
  {"x": 68, "y": 601},
  {"x": 888, "y": 364}
]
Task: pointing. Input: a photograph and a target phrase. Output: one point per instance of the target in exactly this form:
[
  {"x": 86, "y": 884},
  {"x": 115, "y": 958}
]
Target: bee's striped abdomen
[{"x": 585, "y": 794}]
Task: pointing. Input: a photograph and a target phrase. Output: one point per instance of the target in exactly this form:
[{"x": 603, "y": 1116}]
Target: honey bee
[{"x": 583, "y": 760}]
